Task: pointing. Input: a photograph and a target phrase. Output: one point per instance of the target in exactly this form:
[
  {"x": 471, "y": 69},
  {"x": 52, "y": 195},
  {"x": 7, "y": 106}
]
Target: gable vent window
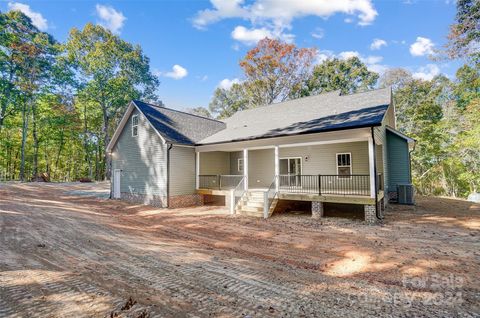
[
  {"x": 134, "y": 125},
  {"x": 344, "y": 165}
]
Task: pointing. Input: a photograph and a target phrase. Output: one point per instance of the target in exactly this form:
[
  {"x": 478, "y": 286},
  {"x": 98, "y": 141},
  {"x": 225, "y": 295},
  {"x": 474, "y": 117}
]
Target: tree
[
  {"x": 349, "y": 76},
  {"x": 227, "y": 101},
  {"x": 395, "y": 77},
  {"x": 275, "y": 71},
  {"x": 27, "y": 60},
  {"x": 464, "y": 36},
  {"x": 112, "y": 72},
  {"x": 200, "y": 111}
]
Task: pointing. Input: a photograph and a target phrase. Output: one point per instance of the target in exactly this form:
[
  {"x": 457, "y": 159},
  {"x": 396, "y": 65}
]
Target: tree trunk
[
  {"x": 25, "y": 116},
  {"x": 106, "y": 141},
  {"x": 88, "y": 157},
  {"x": 35, "y": 142}
]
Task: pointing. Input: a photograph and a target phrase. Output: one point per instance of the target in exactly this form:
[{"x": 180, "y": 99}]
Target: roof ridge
[
  {"x": 179, "y": 111},
  {"x": 369, "y": 91}
]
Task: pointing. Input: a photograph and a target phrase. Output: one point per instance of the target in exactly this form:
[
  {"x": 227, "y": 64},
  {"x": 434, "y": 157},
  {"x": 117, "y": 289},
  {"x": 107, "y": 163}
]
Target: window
[
  {"x": 134, "y": 125},
  {"x": 240, "y": 165},
  {"x": 344, "y": 165}
]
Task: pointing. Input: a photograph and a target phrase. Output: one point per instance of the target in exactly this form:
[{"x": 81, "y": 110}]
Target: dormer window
[{"x": 134, "y": 125}]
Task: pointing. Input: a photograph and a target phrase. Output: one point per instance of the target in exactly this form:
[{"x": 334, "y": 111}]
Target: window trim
[
  {"x": 349, "y": 166},
  {"x": 135, "y": 125},
  {"x": 238, "y": 165}
]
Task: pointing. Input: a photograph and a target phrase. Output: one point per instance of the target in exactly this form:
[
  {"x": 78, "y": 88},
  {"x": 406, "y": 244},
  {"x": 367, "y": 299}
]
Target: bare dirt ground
[{"x": 66, "y": 251}]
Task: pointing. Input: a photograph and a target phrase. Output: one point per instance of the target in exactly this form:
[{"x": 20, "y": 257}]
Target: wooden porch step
[
  {"x": 252, "y": 214},
  {"x": 251, "y": 208}
]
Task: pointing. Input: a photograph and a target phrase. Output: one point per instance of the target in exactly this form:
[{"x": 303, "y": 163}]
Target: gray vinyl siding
[
  {"x": 234, "y": 156},
  {"x": 215, "y": 162},
  {"x": 398, "y": 161},
  {"x": 182, "y": 170},
  {"x": 322, "y": 159},
  {"x": 261, "y": 167},
  {"x": 142, "y": 160}
]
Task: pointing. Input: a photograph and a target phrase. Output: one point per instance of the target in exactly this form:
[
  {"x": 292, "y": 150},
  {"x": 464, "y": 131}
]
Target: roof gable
[{"x": 178, "y": 127}]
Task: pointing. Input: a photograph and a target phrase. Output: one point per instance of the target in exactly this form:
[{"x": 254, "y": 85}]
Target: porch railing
[
  {"x": 355, "y": 184},
  {"x": 219, "y": 182}
]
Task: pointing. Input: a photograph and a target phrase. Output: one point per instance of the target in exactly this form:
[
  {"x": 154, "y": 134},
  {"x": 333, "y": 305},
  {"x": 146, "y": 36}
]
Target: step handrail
[
  {"x": 266, "y": 197},
  {"x": 233, "y": 200}
]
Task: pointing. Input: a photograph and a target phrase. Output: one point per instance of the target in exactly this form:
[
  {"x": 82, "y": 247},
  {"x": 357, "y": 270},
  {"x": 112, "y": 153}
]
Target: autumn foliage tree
[{"x": 275, "y": 71}]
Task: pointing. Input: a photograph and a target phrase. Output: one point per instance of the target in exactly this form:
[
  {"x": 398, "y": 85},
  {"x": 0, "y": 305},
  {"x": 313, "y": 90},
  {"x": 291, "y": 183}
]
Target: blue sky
[{"x": 195, "y": 46}]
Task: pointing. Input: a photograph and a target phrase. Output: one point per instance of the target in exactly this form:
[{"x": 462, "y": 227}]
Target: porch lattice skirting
[{"x": 317, "y": 209}]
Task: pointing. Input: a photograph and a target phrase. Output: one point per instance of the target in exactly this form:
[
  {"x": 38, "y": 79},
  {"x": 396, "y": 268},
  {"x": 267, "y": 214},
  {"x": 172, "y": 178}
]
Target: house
[{"x": 328, "y": 148}]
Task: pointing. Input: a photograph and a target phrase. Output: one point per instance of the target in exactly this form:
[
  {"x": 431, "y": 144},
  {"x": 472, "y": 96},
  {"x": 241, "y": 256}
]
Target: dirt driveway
[{"x": 66, "y": 251}]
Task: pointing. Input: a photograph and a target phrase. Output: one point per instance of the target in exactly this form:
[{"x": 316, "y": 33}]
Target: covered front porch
[{"x": 343, "y": 170}]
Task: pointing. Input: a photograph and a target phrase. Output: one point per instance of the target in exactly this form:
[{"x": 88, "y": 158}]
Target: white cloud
[
  {"x": 318, "y": 33},
  {"x": 323, "y": 55},
  {"x": 177, "y": 72},
  {"x": 348, "y": 54},
  {"x": 426, "y": 73},
  {"x": 250, "y": 36},
  {"x": 110, "y": 18},
  {"x": 37, "y": 19},
  {"x": 277, "y": 16},
  {"x": 377, "y": 44},
  {"x": 373, "y": 62},
  {"x": 283, "y": 12},
  {"x": 253, "y": 35},
  {"x": 422, "y": 46},
  {"x": 227, "y": 83}
]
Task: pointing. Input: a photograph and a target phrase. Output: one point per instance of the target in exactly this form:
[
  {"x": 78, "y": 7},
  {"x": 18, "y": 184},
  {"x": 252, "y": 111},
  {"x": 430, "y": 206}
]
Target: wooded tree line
[{"x": 60, "y": 102}]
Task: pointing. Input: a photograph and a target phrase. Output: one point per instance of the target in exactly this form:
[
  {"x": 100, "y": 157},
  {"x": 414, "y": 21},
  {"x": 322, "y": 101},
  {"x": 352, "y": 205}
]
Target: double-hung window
[
  {"x": 344, "y": 165},
  {"x": 134, "y": 125}
]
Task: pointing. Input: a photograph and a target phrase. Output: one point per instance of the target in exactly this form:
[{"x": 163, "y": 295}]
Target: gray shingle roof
[
  {"x": 179, "y": 127},
  {"x": 320, "y": 113}
]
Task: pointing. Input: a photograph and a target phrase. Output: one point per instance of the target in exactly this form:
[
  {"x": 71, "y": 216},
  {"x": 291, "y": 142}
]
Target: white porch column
[
  {"x": 277, "y": 169},
  {"x": 371, "y": 165},
  {"x": 245, "y": 167},
  {"x": 197, "y": 170}
]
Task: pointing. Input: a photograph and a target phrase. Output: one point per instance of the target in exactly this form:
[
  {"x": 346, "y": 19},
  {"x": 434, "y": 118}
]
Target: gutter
[
  {"x": 169, "y": 147},
  {"x": 375, "y": 173}
]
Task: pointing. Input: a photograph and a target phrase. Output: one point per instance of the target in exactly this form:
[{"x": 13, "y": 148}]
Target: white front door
[{"x": 116, "y": 183}]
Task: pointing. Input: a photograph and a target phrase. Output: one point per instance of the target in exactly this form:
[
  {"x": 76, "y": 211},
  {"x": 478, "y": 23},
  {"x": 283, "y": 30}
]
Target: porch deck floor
[{"x": 338, "y": 197}]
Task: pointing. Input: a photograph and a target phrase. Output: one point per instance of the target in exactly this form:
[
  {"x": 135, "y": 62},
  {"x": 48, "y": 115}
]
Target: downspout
[
  {"x": 410, "y": 161},
  {"x": 169, "y": 147},
  {"x": 375, "y": 173}
]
